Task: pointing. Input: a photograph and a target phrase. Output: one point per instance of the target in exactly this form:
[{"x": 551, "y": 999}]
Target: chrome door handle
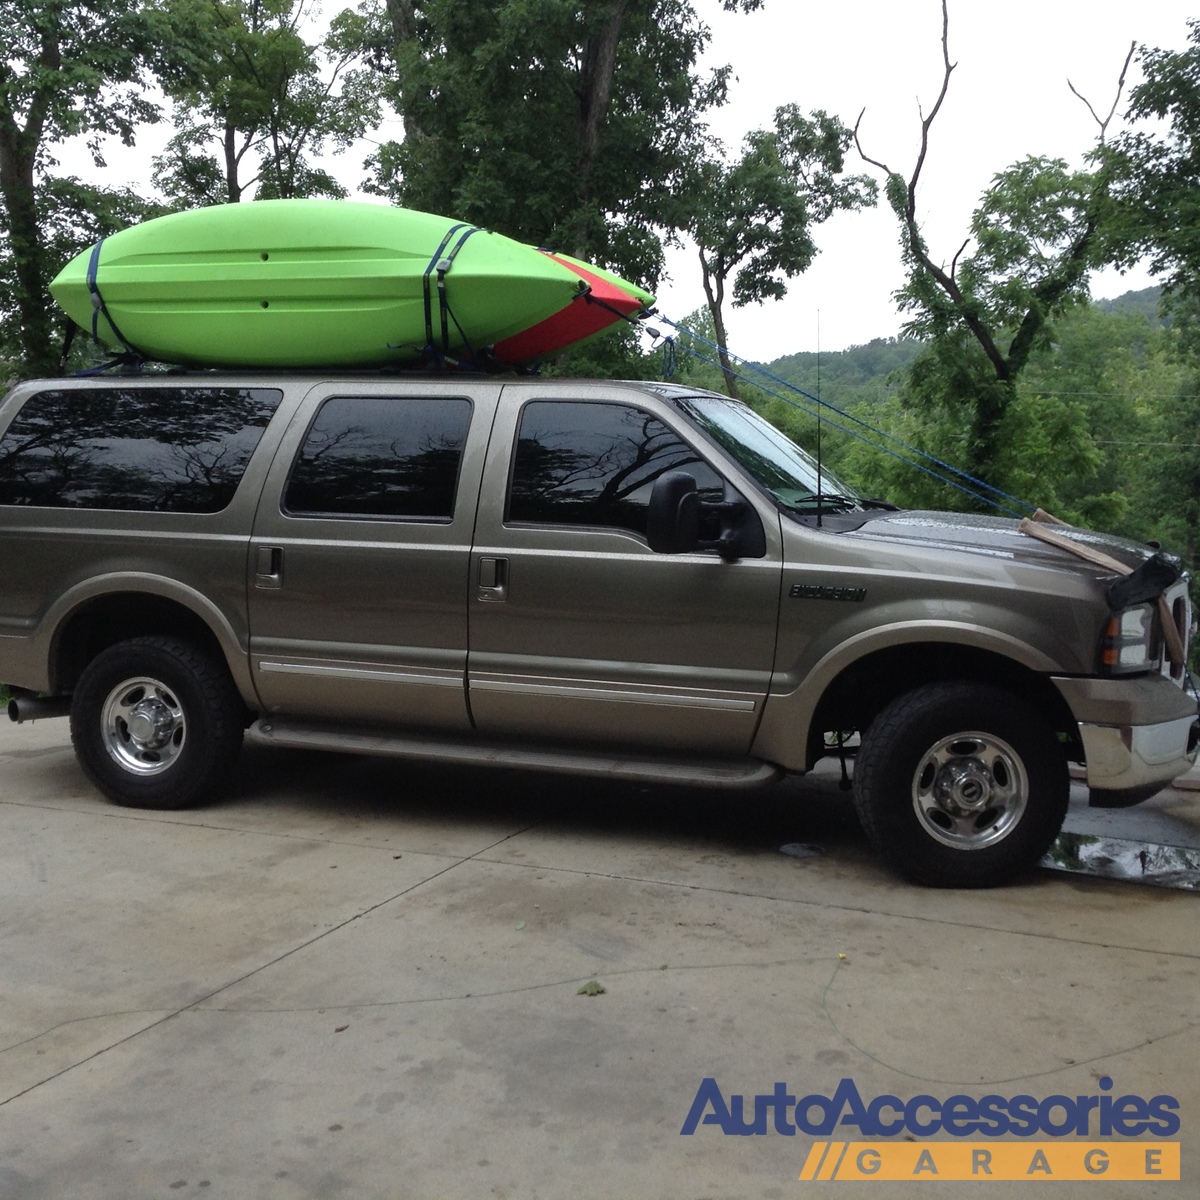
[
  {"x": 493, "y": 579},
  {"x": 268, "y": 567}
]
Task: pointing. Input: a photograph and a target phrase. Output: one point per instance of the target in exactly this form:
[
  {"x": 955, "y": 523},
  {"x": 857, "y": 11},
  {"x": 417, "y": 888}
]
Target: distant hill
[
  {"x": 863, "y": 372},
  {"x": 1146, "y": 301},
  {"x": 844, "y": 374}
]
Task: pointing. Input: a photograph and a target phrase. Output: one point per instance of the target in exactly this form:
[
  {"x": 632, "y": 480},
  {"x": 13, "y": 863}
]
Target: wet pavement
[{"x": 1156, "y": 842}]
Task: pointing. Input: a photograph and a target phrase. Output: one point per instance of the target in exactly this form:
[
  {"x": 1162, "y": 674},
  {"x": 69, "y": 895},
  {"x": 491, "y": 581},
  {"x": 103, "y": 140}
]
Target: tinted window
[
  {"x": 381, "y": 456},
  {"x": 594, "y": 464},
  {"x": 166, "y": 449}
]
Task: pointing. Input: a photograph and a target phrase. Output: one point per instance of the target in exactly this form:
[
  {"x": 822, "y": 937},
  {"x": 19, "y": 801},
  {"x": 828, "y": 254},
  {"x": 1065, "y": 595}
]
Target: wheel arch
[
  {"x": 850, "y": 686},
  {"x": 86, "y": 621}
]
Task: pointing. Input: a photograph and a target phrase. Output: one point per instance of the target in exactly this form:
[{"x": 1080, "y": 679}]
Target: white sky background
[{"x": 1008, "y": 98}]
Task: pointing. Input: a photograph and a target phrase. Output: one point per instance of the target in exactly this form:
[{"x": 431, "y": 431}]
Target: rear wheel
[
  {"x": 156, "y": 723},
  {"x": 960, "y": 785}
]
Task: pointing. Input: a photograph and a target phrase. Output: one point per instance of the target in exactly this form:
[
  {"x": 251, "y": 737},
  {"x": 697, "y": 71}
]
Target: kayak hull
[
  {"x": 607, "y": 300},
  {"x": 295, "y": 283}
]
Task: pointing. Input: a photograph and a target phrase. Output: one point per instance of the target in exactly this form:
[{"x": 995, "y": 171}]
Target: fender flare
[
  {"x": 782, "y": 735},
  {"x": 233, "y": 647}
]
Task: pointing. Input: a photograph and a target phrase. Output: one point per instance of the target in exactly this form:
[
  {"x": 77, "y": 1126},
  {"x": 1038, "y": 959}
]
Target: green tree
[
  {"x": 254, "y": 101},
  {"x": 752, "y": 219},
  {"x": 1158, "y": 171},
  {"x": 71, "y": 216},
  {"x": 70, "y": 67},
  {"x": 1038, "y": 233},
  {"x": 563, "y": 124}
]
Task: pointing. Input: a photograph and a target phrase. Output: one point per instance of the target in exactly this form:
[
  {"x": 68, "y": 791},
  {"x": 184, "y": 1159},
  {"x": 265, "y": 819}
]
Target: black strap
[
  {"x": 68, "y": 339},
  {"x": 440, "y": 263},
  {"x": 98, "y": 305},
  {"x": 633, "y": 318}
]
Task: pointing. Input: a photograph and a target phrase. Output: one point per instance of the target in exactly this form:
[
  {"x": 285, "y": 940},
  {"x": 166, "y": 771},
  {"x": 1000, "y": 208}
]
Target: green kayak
[{"x": 295, "y": 283}]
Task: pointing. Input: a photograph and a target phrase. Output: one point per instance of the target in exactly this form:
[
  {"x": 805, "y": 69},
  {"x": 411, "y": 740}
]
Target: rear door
[
  {"x": 578, "y": 629},
  {"x": 359, "y": 560}
]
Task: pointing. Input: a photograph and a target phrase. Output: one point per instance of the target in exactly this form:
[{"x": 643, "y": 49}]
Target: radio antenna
[{"x": 819, "y": 407}]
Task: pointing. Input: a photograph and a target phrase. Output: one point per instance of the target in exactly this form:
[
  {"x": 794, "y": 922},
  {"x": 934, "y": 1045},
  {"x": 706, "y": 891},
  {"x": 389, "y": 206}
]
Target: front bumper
[{"x": 1138, "y": 735}]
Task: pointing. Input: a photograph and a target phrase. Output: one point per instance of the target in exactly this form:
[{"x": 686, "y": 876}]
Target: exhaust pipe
[{"x": 35, "y": 708}]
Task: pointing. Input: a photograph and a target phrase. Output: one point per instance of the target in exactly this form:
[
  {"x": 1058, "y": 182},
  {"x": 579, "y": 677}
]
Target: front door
[{"x": 578, "y": 630}]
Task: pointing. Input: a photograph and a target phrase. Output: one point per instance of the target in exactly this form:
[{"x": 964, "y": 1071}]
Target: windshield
[{"x": 779, "y": 465}]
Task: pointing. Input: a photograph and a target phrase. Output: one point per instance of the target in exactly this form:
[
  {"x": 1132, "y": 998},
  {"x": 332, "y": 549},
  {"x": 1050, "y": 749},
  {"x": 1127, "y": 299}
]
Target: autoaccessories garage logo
[{"x": 887, "y": 1129}]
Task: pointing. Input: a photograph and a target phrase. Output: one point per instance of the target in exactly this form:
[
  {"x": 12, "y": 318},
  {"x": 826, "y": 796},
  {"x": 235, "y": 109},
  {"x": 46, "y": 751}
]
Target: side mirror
[{"x": 673, "y": 515}]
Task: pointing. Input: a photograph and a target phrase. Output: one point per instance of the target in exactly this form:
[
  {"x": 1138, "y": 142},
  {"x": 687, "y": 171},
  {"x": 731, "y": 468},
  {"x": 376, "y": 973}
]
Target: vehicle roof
[{"x": 181, "y": 377}]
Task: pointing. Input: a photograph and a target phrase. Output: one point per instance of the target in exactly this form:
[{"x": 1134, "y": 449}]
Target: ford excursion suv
[{"x": 631, "y": 580}]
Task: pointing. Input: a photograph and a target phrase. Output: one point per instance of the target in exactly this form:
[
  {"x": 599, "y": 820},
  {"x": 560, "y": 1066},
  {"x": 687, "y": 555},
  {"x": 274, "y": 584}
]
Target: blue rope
[
  {"x": 670, "y": 358},
  {"x": 865, "y": 424},
  {"x": 130, "y": 364},
  {"x": 851, "y": 433}
]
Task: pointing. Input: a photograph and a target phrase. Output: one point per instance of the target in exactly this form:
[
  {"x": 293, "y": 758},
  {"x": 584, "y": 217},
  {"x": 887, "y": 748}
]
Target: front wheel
[
  {"x": 960, "y": 785},
  {"x": 156, "y": 723}
]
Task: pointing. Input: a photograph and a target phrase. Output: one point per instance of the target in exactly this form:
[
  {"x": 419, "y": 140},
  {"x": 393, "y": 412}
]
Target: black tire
[
  {"x": 960, "y": 785},
  {"x": 156, "y": 723}
]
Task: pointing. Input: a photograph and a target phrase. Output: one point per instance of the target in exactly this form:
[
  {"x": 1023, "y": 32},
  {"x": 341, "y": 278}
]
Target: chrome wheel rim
[
  {"x": 970, "y": 790},
  {"x": 143, "y": 727}
]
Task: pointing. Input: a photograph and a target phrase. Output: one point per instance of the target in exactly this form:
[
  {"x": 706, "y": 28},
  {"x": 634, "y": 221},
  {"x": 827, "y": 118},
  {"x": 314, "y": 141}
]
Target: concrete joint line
[{"x": 194, "y": 1004}]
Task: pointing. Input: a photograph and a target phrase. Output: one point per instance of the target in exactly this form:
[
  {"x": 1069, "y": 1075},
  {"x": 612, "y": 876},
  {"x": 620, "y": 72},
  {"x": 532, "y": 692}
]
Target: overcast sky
[{"x": 1008, "y": 98}]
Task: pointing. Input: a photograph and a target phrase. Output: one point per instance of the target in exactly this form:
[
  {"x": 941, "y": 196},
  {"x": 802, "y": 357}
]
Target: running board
[{"x": 645, "y": 768}]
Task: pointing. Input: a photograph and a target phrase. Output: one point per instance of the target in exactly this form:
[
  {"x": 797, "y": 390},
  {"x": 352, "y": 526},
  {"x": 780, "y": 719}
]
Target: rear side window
[
  {"x": 595, "y": 464},
  {"x": 381, "y": 456},
  {"x": 159, "y": 449}
]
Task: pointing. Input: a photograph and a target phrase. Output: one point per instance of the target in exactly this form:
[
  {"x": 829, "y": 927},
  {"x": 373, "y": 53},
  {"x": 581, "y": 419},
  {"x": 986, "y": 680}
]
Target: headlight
[{"x": 1128, "y": 643}]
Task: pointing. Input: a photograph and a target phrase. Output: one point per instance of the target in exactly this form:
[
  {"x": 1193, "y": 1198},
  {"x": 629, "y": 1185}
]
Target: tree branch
[
  {"x": 912, "y": 231},
  {"x": 874, "y": 162},
  {"x": 954, "y": 261},
  {"x": 1116, "y": 99},
  {"x": 928, "y": 121}
]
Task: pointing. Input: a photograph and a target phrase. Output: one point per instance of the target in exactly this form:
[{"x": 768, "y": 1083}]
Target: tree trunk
[
  {"x": 593, "y": 94},
  {"x": 25, "y": 241},
  {"x": 404, "y": 31},
  {"x": 404, "y": 25},
  {"x": 233, "y": 190},
  {"x": 716, "y": 301},
  {"x": 18, "y": 153},
  {"x": 595, "y": 88}
]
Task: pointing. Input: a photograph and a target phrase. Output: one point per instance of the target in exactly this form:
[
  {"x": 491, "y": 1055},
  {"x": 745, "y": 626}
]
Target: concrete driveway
[{"x": 356, "y": 979}]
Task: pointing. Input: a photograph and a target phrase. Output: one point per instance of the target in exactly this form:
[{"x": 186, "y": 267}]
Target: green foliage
[
  {"x": 253, "y": 102},
  {"x": 71, "y": 67},
  {"x": 1158, "y": 172},
  {"x": 1147, "y": 301},
  {"x": 1035, "y": 243},
  {"x": 562, "y": 124},
  {"x": 850, "y": 369},
  {"x": 753, "y": 218},
  {"x": 1102, "y": 430},
  {"x": 1038, "y": 231},
  {"x": 71, "y": 215},
  {"x": 615, "y": 354}
]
